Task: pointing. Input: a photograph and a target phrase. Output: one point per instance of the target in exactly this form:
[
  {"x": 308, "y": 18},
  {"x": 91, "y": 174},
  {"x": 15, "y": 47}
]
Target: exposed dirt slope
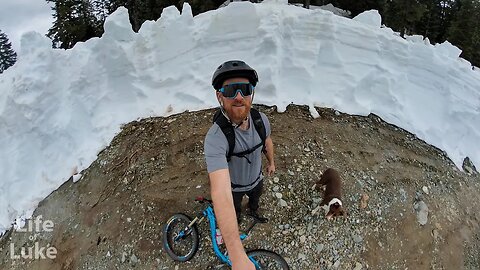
[{"x": 112, "y": 218}]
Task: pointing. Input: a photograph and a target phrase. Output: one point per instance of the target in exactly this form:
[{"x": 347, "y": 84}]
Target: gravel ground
[{"x": 408, "y": 206}]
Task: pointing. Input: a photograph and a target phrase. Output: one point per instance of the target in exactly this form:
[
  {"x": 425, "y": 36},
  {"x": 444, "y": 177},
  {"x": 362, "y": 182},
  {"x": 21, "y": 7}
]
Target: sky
[
  {"x": 20, "y": 16},
  {"x": 60, "y": 108}
]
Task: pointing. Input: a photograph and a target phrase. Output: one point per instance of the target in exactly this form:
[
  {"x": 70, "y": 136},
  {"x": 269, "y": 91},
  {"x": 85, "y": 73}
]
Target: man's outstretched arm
[{"x": 221, "y": 192}]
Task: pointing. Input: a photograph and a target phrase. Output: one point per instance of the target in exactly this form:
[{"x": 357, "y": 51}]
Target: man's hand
[
  {"x": 270, "y": 169},
  {"x": 244, "y": 264}
]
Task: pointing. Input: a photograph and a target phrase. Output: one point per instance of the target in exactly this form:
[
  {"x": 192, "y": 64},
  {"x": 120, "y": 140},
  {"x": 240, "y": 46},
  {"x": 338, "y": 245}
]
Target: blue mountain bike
[{"x": 181, "y": 240}]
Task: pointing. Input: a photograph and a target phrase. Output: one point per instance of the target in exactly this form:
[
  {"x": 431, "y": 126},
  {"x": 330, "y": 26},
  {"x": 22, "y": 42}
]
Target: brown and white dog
[{"x": 332, "y": 196}]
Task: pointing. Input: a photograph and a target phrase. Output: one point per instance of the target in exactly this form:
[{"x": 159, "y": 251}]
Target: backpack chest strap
[{"x": 229, "y": 132}]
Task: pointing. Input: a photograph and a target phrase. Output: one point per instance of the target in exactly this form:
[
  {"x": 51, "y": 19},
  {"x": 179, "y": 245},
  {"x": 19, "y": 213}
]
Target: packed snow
[{"x": 59, "y": 108}]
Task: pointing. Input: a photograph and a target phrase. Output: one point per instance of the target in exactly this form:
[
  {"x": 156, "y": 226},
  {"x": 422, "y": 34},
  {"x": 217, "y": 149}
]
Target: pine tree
[
  {"x": 8, "y": 56},
  {"x": 200, "y": 6},
  {"x": 464, "y": 31},
  {"x": 358, "y": 6},
  {"x": 74, "y": 21},
  {"x": 437, "y": 19},
  {"x": 141, "y": 10},
  {"x": 403, "y": 15}
]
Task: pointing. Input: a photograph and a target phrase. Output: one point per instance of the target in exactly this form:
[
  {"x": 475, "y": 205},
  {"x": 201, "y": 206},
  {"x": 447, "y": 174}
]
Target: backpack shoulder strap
[
  {"x": 259, "y": 126},
  {"x": 227, "y": 130}
]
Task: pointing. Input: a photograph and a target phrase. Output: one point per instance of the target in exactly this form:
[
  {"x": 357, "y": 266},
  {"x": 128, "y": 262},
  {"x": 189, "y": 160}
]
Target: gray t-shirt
[{"x": 241, "y": 172}]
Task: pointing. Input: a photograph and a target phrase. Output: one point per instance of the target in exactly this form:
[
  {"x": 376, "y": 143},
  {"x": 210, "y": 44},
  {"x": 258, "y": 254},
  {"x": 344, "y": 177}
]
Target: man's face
[{"x": 236, "y": 108}]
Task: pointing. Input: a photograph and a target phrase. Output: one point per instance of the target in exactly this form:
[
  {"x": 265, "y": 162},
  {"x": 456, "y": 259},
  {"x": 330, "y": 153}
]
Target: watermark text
[{"x": 36, "y": 251}]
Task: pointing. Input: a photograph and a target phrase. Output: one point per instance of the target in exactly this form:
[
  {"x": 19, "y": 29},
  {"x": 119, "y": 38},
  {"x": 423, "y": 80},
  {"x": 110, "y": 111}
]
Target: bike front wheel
[
  {"x": 267, "y": 260},
  {"x": 179, "y": 240}
]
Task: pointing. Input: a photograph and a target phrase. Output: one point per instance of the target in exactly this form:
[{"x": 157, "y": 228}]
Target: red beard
[{"x": 238, "y": 111}]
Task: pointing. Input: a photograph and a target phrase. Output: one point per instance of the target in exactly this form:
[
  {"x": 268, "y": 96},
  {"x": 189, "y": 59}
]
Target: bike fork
[{"x": 188, "y": 229}]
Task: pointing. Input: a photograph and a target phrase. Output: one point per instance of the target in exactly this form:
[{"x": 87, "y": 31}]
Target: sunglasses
[{"x": 231, "y": 90}]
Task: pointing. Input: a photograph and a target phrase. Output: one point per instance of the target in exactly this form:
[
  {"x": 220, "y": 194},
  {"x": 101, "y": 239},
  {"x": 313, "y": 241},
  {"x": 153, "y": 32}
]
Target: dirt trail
[{"x": 112, "y": 217}]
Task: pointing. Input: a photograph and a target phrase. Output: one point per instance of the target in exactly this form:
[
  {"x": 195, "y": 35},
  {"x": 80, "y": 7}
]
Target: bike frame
[{"x": 208, "y": 212}]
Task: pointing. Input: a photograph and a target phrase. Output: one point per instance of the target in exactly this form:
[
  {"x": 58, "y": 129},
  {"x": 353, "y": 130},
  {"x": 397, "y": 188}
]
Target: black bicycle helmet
[{"x": 232, "y": 69}]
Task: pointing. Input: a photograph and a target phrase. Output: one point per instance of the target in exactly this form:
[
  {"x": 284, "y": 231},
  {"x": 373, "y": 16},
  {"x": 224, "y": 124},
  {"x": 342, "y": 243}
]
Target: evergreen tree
[
  {"x": 403, "y": 15},
  {"x": 437, "y": 19},
  {"x": 357, "y": 7},
  {"x": 8, "y": 56},
  {"x": 464, "y": 31},
  {"x": 200, "y": 6},
  {"x": 141, "y": 10},
  {"x": 74, "y": 21}
]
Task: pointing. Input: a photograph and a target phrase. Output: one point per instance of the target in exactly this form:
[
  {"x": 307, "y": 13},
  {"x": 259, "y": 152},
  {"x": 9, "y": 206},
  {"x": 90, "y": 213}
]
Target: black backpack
[{"x": 229, "y": 132}]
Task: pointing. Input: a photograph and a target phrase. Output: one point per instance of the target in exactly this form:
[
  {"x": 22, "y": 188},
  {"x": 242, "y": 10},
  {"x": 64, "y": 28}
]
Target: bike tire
[
  {"x": 184, "y": 248},
  {"x": 268, "y": 260}
]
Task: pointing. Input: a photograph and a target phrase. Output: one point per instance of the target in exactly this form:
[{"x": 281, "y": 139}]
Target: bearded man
[{"x": 233, "y": 153}]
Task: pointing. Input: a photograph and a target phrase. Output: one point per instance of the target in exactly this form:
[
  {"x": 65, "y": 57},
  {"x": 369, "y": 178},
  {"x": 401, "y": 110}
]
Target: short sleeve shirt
[{"x": 242, "y": 173}]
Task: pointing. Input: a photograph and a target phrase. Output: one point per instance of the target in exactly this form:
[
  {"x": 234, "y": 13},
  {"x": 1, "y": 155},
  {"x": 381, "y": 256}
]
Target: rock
[
  {"x": 435, "y": 234},
  {"x": 364, "y": 201},
  {"x": 357, "y": 238},
  {"x": 336, "y": 264},
  {"x": 76, "y": 177},
  {"x": 276, "y": 179},
  {"x": 278, "y": 195},
  {"x": 303, "y": 238},
  {"x": 468, "y": 166},
  {"x": 358, "y": 266},
  {"x": 302, "y": 256},
  {"x": 291, "y": 173},
  {"x": 108, "y": 254},
  {"x": 314, "y": 211},
  {"x": 403, "y": 195},
  {"x": 425, "y": 190},
  {"x": 124, "y": 257},
  {"x": 319, "y": 248},
  {"x": 422, "y": 212},
  {"x": 418, "y": 196},
  {"x": 372, "y": 183},
  {"x": 133, "y": 259},
  {"x": 283, "y": 203},
  {"x": 276, "y": 188}
]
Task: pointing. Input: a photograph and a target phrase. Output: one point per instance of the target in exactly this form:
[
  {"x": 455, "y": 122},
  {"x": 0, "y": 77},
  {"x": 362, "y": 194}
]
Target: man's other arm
[{"x": 269, "y": 154}]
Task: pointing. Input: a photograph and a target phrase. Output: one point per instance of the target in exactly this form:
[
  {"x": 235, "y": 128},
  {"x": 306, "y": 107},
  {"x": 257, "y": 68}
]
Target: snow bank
[{"x": 59, "y": 108}]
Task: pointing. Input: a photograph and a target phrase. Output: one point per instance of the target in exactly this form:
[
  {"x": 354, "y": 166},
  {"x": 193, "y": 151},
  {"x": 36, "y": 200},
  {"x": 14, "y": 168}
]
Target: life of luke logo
[{"x": 34, "y": 252}]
